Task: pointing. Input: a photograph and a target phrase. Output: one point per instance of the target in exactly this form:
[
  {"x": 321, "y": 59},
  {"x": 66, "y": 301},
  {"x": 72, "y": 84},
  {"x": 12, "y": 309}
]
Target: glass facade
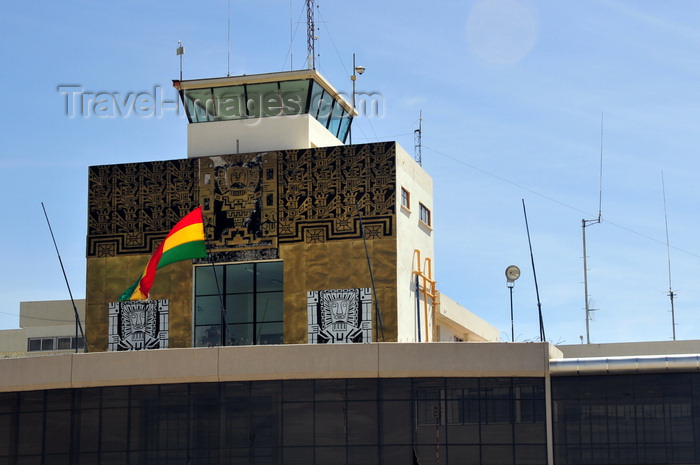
[
  {"x": 253, "y": 294},
  {"x": 280, "y": 98},
  {"x": 627, "y": 419},
  {"x": 495, "y": 421}
]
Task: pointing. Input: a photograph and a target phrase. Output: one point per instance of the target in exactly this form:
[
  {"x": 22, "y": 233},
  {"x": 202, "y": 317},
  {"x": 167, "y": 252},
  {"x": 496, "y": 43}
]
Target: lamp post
[
  {"x": 355, "y": 71},
  {"x": 512, "y": 273}
]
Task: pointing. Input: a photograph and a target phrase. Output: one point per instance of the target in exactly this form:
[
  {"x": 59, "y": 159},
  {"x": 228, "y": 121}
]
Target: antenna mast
[
  {"x": 417, "y": 140},
  {"x": 584, "y": 224},
  {"x": 310, "y": 37},
  {"x": 671, "y": 294}
]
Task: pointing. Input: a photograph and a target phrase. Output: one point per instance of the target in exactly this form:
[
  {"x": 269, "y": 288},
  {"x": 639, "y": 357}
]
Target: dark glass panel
[
  {"x": 8, "y": 402},
  {"x": 464, "y": 454},
  {"x": 88, "y": 429},
  {"x": 396, "y": 389},
  {"x": 397, "y": 424},
  {"x": 114, "y": 429},
  {"x": 230, "y": 102},
  {"x": 362, "y": 423},
  {"x": 270, "y": 333},
  {"x": 263, "y": 100},
  {"x": 239, "y": 308},
  {"x": 200, "y": 105},
  {"x": 330, "y": 420},
  {"x": 397, "y": 454},
  {"x": 329, "y": 389},
  {"x": 31, "y": 401},
  {"x": 59, "y": 399},
  {"x": 345, "y": 123},
  {"x": 530, "y": 454},
  {"x": 205, "y": 281},
  {"x": 113, "y": 458},
  {"x": 270, "y": 306},
  {"x": 336, "y": 115},
  {"x": 497, "y": 454},
  {"x": 207, "y": 336},
  {"x": 63, "y": 343},
  {"x": 239, "y": 278},
  {"x": 207, "y": 310},
  {"x": 362, "y": 389},
  {"x": 30, "y": 460},
  {"x": 294, "y": 96},
  {"x": 298, "y": 455},
  {"x": 241, "y": 334},
  {"x": 58, "y": 429},
  {"x": 115, "y": 397},
  {"x": 297, "y": 424},
  {"x": 30, "y": 433},
  {"x": 298, "y": 390},
  {"x": 331, "y": 455},
  {"x": 269, "y": 276},
  {"x": 365, "y": 455},
  {"x": 467, "y": 434}
]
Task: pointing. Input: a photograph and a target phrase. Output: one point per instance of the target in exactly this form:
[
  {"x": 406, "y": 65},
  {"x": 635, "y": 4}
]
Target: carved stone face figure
[
  {"x": 138, "y": 323},
  {"x": 339, "y": 310}
]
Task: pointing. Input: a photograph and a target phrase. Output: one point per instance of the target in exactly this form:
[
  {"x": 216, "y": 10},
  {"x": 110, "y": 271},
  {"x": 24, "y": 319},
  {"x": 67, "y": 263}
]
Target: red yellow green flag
[{"x": 184, "y": 241}]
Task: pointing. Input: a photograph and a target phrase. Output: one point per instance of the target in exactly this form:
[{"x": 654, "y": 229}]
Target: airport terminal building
[{"x": 313, "y": 332}]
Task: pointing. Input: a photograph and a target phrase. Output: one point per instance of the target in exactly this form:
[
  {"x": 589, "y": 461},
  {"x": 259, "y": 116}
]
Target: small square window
[
  {"x": 47, "y": 344},
  {"x": 33, "y": 345},
  {"x": 63, "y": 343},
  {"x": 405, "y": 199},
  {"x": 424, "y": 214}
]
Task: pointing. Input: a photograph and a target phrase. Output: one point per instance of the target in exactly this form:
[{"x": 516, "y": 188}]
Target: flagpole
[{"x": 222, "y": 301}]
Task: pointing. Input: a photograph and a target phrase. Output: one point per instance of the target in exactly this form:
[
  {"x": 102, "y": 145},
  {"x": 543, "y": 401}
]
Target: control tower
[{"x": 263, "y": 112}]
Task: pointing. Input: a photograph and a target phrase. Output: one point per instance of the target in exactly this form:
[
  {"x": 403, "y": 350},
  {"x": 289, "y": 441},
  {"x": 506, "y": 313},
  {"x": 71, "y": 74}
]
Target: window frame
[
  {"x": 405, "y": 199},
  {"x": 424, "y": 214}
]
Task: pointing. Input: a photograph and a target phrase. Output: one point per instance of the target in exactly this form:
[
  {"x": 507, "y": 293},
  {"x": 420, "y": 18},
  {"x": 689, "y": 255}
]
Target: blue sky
[{"x": 512, "y": 93}]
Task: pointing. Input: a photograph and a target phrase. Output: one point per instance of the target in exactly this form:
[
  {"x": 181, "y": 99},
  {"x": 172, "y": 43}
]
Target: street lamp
[
  {"x": 512, "y": 273},
  {"x": 355, "y": 71}
]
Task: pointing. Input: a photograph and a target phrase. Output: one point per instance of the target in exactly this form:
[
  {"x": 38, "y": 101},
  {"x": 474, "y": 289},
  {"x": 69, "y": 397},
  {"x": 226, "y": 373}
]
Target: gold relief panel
[{"x": 239, "y": 196}]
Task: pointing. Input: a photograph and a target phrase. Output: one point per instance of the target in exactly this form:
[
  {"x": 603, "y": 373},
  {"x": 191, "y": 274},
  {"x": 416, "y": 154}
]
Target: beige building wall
[
  {"x": 41, "y": 319},
  {"x": 251, "y": 363}
]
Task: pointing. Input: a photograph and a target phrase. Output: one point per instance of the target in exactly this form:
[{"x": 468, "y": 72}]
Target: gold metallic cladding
[{"x": 335, "y": 265}]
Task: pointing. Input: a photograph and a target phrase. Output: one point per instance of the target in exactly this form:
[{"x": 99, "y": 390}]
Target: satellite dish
[{"x": 512, "y": 273}]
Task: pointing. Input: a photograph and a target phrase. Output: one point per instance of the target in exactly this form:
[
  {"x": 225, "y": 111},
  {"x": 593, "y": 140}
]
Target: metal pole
[
  {"x": 512, "y": 327},
  {"x": 353, "y": 78}
]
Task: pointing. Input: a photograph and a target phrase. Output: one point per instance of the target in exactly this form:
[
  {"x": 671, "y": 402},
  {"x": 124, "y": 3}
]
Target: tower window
[
  {"x": 253, "y": 299},
  {"x": 405, "y": 199},
  {"x": 424, "y": 214}
]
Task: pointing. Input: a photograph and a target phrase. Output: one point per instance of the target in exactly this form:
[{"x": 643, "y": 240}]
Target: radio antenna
[
  {"x": 417, "y": 136},
  {"x": 310, "y": 34},
  {"x": 671, "y": 294},
  {"x": 78, "y": 326},
  {"x": 585, "y": 223},
  {"x": 537, "y": 289}
]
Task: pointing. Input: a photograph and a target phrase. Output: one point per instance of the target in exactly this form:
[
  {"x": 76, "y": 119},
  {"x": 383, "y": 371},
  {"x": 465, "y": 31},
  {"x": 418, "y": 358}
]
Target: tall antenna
[
  {"x": 310, "y": 34},
  {"x": 78, "y": 326},
  {"x": 537, "y": 289},
  {"x": 417, "y": 140},
  {"x": 585, "y": 223},
  {"x": 671, "y": 294}
]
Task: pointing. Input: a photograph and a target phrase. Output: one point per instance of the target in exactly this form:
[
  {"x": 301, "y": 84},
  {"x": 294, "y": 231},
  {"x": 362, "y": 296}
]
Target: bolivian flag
[{"x": 184, "y": 241}]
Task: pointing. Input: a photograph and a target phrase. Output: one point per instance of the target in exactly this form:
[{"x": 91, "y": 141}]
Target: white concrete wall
[
  {"x": 411, "y": 234},
  {"x": 257, "y": 135}
]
